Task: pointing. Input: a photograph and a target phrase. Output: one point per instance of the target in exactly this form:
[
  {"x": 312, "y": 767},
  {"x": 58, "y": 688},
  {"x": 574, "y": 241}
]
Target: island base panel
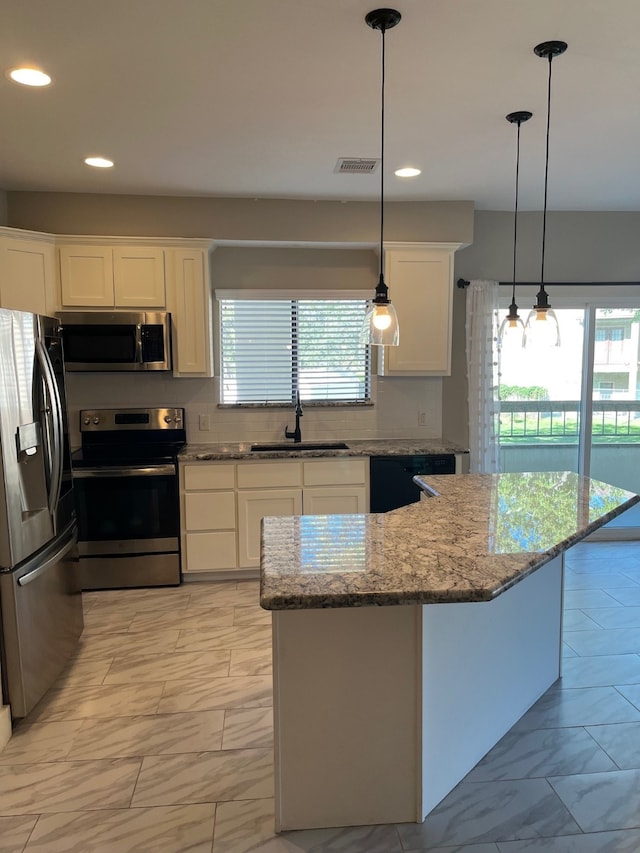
[
  {"x": 483, "y": 666},
  {"x": 381, "y": 711},
  {"x": 346, "y": 716}
]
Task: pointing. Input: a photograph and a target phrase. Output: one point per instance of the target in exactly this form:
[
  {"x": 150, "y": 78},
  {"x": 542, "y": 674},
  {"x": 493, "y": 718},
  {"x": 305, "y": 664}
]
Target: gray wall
[
  {"x": 4, "y": 214},
  {"x": 580, "y": 247},
  {"x": 294, "y": 269},
  {"x": 229, "y": 219}
]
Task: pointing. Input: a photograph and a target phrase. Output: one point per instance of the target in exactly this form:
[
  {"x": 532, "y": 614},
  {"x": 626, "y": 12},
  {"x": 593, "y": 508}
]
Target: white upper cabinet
[
  {"x": 86, "y": 276},
  {"x": 139, "y": 277},
  {"x": 171, "y": 274},
  {"x": 420, "y": 281},
  {"x": 94, "y": 276},
  {"x": 27, "y": 271},
  {"x": 189, "y": 301}
]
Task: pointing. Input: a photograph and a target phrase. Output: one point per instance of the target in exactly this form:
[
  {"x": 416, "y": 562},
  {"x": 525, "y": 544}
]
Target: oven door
[{"x": 128, "y": 525}]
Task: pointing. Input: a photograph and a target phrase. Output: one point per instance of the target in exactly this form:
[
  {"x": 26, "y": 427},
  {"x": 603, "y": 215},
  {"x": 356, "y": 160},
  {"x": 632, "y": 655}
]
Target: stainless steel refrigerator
[{"x": 40, "y": 597}]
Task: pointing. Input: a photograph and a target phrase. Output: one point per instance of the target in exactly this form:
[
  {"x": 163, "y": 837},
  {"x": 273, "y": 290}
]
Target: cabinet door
[
  {"x": 138, "y": 275},
  {"x": 210, "y": 551},
  {"x": 86, "y": 276},
  {"x": 209, "y": 511},
  {"x": 27, "y": 275},
  {"x": 334, "y": 500},
  {"x": 189, "y": 300},
  {"x": 421, "y": 288},
  {"x": 253, "y": 506}
]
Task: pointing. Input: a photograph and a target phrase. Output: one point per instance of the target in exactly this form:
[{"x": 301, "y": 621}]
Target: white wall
[{"x": 395, "y": 415}]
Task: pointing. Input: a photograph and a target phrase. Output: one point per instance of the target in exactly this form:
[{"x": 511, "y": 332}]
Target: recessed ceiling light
[
  {"x": 408, "y": 172},
  {"x": 29, "y": 76},
  {"x": 98, "y": 162}
]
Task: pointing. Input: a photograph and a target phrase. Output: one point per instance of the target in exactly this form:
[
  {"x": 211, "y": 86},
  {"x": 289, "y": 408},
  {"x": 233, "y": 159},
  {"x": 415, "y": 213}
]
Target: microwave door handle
[
  {"x": 56, "y": 413},
  {"x": 139, "y": 343}
]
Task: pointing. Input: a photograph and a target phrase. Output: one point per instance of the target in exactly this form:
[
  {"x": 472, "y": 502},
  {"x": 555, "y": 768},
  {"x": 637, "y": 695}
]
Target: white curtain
[{"x": 483, "y": 378}]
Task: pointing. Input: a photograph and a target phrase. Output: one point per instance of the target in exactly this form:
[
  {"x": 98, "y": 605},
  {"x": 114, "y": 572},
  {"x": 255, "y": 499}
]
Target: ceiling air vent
[{"x": 356, "y": 166}]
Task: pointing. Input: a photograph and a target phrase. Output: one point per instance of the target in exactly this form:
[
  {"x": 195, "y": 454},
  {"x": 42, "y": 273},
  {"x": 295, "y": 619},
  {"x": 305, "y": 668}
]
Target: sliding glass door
[
  {"x": 614, "y": 442},
  {"x": 540, "y": 393},
  {"x": 577, "y": 407}
]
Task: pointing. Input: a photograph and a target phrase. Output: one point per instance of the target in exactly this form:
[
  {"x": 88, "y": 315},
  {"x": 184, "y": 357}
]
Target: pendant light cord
[
  {"x": 382, "y": 30},
  {"x": 546, "y": 177},
  {"x": 515, "y": 215}
]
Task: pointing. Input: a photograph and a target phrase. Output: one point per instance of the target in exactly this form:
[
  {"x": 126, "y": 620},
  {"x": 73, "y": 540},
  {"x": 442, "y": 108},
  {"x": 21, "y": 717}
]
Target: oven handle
[{"x": 122, "y": 471}]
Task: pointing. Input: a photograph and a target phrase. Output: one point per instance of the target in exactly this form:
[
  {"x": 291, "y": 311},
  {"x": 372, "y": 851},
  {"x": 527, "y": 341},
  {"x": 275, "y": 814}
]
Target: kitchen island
[{"x": 406, "y": 644}]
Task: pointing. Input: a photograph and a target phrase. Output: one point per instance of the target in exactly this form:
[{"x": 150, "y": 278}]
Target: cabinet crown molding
[
  {"x": 110, "y": 240},
  {"x": 106, "y": 239}
]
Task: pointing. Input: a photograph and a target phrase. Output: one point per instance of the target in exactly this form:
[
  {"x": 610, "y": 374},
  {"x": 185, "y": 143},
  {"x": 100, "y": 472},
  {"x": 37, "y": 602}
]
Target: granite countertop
[
  {"x": 356, "y": 447},
  {"x": 477, "y": 537}
]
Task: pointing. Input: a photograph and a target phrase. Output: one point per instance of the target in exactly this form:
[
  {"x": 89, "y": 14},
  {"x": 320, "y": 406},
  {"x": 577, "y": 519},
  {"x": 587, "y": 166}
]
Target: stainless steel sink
[{"x": 301, "y": 445}]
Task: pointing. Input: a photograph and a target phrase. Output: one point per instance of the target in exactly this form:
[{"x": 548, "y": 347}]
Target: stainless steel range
[{"x": 126, "y": 486}]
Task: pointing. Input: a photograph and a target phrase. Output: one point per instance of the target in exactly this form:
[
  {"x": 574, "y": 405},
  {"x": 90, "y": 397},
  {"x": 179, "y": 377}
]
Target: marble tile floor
[{"x": 157, "y": 738}]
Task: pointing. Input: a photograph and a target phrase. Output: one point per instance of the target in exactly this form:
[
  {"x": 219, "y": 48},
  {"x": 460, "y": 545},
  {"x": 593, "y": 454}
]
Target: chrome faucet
[{"x": 296, "y": 435}]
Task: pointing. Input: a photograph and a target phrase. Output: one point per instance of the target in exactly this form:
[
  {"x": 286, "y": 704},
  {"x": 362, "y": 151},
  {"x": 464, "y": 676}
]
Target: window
[{"x": 272, "y": 349}]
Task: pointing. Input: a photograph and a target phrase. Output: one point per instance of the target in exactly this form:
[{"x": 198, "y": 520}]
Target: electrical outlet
[
  {"x": 204, "y": 423},
  {"x": 422, "y": 418}
]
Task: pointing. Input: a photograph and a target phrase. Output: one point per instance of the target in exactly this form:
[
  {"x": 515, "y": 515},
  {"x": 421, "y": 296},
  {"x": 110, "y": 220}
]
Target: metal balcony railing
[{"x": 558, "y": 421}]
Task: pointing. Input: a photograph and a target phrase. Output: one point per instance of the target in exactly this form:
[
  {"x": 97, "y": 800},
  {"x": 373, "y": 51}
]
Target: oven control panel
[{"x": 112, "y": 420}]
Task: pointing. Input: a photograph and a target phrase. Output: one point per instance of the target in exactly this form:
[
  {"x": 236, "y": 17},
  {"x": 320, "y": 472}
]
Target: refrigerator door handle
[
  {"x": 56, "y": 412},
  {"x": 48, "y": 564}
]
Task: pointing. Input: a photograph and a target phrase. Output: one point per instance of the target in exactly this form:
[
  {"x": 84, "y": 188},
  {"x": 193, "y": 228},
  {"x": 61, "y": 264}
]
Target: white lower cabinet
[
  {"x": 223, "y": 504},
  {"x": 208, "y": 515}
]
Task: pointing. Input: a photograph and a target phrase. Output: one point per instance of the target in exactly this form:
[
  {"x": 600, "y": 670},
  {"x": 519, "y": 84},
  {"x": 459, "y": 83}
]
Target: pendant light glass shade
[
  {"x": 380, "y": 324},
  {"x": 512, "y": 327},
  {"x": 542, "y": 327}
]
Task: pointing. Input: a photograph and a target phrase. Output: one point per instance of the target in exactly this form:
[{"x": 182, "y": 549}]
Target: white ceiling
[{"x": 259, "y": 98}]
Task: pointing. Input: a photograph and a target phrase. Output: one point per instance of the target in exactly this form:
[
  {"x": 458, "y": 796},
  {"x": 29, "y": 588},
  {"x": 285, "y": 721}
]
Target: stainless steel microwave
[{"x": 104, "y": 341}]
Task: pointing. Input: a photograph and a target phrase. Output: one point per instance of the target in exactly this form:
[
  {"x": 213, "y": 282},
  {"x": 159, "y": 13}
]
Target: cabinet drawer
[
  {"x": 204, "y": 476},
  {"x": 210, "y": 551},
  {"x": 334, "y": 500},
  {"x": 335, "y": 472},
  {"x": 210, "y": 511},
  {"x": 253, "y": 475}
]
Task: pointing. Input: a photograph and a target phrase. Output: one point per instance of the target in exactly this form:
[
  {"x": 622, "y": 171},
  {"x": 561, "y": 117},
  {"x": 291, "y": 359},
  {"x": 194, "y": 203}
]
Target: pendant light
[
  {"x": 380, "y": 324},
  {"x": 512, "y": 326},
  {"x": 542, "y": 312}
]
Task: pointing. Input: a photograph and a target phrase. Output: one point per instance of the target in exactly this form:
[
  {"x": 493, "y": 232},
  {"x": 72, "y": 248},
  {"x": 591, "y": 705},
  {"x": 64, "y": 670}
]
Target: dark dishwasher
[{"x": 391, "y": 477}]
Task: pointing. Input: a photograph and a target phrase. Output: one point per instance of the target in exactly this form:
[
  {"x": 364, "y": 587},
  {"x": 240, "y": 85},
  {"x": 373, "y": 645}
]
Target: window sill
[{"x": 306, "y": 404}]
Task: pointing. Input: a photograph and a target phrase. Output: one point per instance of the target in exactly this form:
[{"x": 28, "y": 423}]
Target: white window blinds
[{"x": 271, "y": 349}]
